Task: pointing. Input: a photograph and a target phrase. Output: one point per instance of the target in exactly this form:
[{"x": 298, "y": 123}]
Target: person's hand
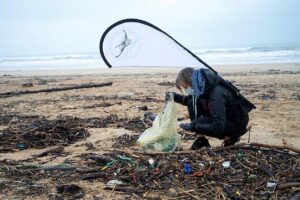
[
  {"x": 186, "y": 126},
  {"x": 168, "y": 96}
]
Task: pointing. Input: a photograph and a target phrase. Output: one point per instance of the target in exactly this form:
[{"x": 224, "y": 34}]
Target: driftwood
[
  {"x": 6, "y": 149},
  {"x": 165, "y": 153},
  {"x": 276, "y": 147},
  {"x": 36, "y": 166},
  {"x": 16, "y": 93},
  {"x": 55, "y": 150},
  {"x": 87, "y": 170},
  {"x": 124, "y": 189},
  {"x": 252, "y": 168},
  {"x": 94, "y": 176},
  {"x": 284, "y": 186},
  {"x": 237, "y": 146},
  {"x": 285, "y": 147},
  {"x": 139, "y": 152}
]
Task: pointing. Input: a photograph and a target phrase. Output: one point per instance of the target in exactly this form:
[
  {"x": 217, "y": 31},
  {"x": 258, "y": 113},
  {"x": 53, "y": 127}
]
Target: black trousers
[{"x": 234, "y": 128}]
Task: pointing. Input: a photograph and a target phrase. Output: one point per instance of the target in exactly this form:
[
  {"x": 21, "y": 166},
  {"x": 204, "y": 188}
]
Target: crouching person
[{"x": 215, "y": 106}]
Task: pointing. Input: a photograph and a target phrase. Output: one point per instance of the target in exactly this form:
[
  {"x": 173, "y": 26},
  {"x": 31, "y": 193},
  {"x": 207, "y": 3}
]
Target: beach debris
[
  {"x": 25, "y": 132},
  {"x": 101, "y": 105},
  {"x": 82, "y": 86},
  {"x": 89, "y": 145},
  {"x": 66, "y": 107},
  {"x": 111, "y": 98},
  {"x": 298, "y": 96},
  {"x": 187, "y": 168},
  {"x": 285, "y": 147},
  {"x": 168, "y": 83},
  {"x": 7, "y": 119},
  {"x": 269, "y": 94},
  {"x": 52, "y": 151},
  {"x": 69, "y": 191},
  {"x": 172, "y": 174},
  {"x": 42, "y": 82},
  {"x": 102, "y": 159},
  {"x": 226, "y": 164},
  {"x": 151, "y": 162},
  {"x": 41, "y": 133},
  {"x": 114, "y": 183},
  {"x": 125, "y": 140},
  {"x": 181, "y": 118},
  {"x": 271, "y": 185},
  {"x": 68, "y": 188},
  {"x": 21, "y": 146},
  {"x": 133, "y": 124},
  {"x": 150, "y": 115},
  {"x": 37, "y": 166},
  {"x": 296, "y": 197},
  {"x": 144, "y": 108},
  {"x": 240, "y": 155},
  {"x": 27, "y": 84}
]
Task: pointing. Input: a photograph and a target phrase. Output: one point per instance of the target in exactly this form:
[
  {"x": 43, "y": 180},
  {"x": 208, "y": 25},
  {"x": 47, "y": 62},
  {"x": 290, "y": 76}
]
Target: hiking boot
[
  {"x": 200, "y": 143},
  {"x": 231, "y": 141}
]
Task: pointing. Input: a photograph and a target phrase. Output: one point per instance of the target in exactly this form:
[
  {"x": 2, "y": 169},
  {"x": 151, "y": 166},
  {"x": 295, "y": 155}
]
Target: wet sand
[{"x": 274, "y": 89}]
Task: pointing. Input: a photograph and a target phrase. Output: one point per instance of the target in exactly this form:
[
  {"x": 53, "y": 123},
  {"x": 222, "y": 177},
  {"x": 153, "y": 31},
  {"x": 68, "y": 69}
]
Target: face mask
[{"x": 189, "y": 91}]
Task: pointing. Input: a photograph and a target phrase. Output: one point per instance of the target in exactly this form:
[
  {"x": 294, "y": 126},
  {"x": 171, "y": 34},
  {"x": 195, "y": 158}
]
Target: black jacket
[{"x": 221, "y": 110}]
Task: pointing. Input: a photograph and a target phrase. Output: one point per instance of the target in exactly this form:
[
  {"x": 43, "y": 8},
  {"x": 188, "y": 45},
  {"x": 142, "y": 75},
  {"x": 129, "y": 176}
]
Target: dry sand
[{"x": 274, "y": 89}]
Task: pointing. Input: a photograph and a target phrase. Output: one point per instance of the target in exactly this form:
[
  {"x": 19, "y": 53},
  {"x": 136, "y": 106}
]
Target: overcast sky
[{"x": 41, "y": 27}]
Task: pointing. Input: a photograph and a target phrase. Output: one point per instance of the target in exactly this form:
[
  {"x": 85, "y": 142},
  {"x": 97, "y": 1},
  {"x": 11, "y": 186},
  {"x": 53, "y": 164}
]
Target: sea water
[
  {"x": 250, "y": 55},
  {"x": 212, "y": 56}
]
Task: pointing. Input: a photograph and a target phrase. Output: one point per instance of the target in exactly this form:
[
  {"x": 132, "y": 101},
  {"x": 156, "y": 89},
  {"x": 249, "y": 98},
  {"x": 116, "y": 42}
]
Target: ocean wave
[
  {"x": 244, "y": 49},
  {"x": 224, "y": 56},
  {"x": 50, "y": 57},
  {"x": 221, "y": 50}
]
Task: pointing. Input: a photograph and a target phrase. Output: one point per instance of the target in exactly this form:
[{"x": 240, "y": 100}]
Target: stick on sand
[{"x": 16, "y": 93}]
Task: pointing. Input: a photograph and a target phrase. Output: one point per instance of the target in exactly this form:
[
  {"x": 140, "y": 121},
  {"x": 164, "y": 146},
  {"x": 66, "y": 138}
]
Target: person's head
[{"x": 184, "y": 79}]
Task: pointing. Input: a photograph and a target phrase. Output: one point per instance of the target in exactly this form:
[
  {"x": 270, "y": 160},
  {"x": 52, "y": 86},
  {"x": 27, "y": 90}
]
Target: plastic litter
[
  {"x": 114, "y": 182},
  {"x": 150, "y": 115},
  {"x": 240, "y": 155},
  {"x": 162, "y": 136},
  {"x": 202, "y": 165},
  {"x": 151, "y": 161},
  {"x": 109, "y": 164},
  {"x": 226, "y": 164},
  {"x": 156, "y": 171},
  {"x": 125, "y": 159},
  {"x": 21, "y": 146},
  {"x": 250, "y": 177},
  {"x": 187, "y": 168},
  {"x": 271, "y": 185}
]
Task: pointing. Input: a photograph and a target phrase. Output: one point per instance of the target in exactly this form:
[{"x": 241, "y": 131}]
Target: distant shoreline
[
  {"x": 150, "y": 70},
  {"x": 226, "y": 57}
]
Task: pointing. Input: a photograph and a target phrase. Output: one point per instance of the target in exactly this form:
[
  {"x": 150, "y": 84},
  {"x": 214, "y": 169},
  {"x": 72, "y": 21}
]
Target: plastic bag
[{"x": 162, "y": 136}]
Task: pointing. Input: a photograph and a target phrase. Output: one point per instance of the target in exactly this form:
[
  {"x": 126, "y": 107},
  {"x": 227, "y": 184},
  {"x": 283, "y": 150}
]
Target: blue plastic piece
[{"x": 187, "y": 168}]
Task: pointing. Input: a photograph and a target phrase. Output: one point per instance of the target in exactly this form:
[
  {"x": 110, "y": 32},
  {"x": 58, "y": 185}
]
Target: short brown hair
[{"x": 184, "y": 76}]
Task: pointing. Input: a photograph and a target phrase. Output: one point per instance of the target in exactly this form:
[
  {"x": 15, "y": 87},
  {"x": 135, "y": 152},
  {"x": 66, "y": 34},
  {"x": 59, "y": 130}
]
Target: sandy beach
[{"x": 274, "y": 89}]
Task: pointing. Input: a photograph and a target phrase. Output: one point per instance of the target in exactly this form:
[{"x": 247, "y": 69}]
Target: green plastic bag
[{"x": 162, "y": 136}]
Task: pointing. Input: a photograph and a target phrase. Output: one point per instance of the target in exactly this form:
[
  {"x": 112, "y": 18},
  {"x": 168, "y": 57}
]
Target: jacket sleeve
[
  {"x": 214, "y": 125},
  {"x": 182, "y": 99}
]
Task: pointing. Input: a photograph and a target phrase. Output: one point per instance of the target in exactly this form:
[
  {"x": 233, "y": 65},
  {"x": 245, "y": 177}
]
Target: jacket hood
[{"x": 203, "y": 81}]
